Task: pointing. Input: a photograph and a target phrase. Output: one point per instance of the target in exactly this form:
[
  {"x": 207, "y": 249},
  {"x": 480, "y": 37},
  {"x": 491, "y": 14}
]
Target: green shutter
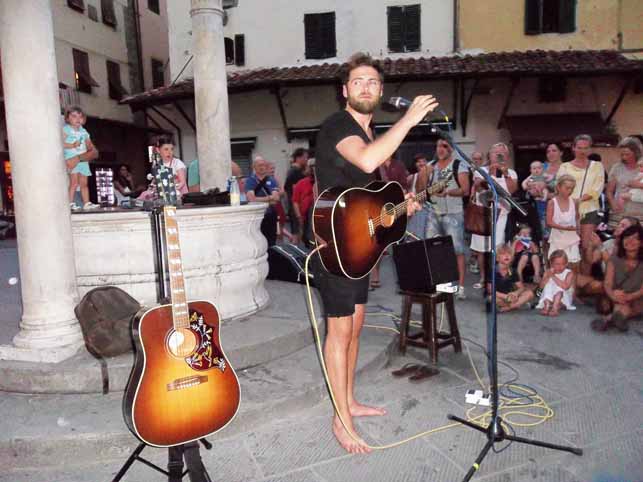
[
  {"x": 567, "y": 16},
  {"x": 395, "y": 29},
  {"x": 412, "y": 31},
  {"x": 532, "y": 17},
  {"x": 240, "y": 49},
  {"x": 327, "y": 35}
]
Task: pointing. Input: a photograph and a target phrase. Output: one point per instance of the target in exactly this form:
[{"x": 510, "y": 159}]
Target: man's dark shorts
[{"x": 339, "y": 294}]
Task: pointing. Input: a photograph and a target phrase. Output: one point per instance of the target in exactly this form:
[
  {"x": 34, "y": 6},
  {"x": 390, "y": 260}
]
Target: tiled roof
[{"x": 528, "y": 63}]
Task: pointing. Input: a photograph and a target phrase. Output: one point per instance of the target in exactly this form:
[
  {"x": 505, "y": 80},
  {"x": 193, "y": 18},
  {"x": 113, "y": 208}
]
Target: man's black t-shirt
[
  {"x": 331, "y": 168},
  {"x": 295, "y": 174}
]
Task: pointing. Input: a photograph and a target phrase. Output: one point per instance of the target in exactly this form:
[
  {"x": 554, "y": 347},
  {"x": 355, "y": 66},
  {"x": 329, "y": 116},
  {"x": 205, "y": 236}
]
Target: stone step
[
  {"x": 278, "y": 330},
  {"x": 50, "y": 430}
]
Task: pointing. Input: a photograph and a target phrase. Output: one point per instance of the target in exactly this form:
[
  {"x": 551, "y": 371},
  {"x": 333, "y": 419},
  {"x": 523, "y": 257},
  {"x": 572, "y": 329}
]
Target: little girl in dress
[
  {"x": 562, "y": 218},
  {"x": 557, "y": 286}
]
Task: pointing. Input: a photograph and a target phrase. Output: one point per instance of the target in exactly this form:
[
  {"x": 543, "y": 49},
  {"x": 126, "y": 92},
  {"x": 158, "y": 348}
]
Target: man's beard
[{"x": 364, "y": 106}]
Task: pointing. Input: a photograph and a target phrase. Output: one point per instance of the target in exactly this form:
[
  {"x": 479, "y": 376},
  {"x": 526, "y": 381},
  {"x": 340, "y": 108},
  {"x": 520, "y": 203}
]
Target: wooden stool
[{"x": 429, "y": 337}]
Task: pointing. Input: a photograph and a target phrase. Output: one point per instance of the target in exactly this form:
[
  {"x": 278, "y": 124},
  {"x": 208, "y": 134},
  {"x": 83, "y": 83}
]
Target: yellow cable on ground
[{"x": 481, "y": 419}]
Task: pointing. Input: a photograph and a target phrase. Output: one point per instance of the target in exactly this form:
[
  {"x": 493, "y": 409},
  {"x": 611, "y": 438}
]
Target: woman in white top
[{"x": 506, "y": 178}]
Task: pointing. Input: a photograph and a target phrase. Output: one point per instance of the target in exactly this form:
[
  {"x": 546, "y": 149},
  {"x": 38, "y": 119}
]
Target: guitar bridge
[
  {"x": 371, "y": 228},
  {"x": 186, "y": 382}
]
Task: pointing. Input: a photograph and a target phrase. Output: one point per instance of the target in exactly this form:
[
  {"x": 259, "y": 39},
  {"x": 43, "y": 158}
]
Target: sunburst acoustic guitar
[
  {"x": 354, "y": 226},
  {"x": 182, "y": 387}
]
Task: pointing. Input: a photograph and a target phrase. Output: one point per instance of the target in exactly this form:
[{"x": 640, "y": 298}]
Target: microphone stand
[{"x": 494, "y": 431}]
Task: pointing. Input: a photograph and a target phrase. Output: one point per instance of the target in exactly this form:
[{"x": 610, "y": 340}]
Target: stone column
[
  {"x": 210, "y": 93},
  {"x": 49, "y": 330}
]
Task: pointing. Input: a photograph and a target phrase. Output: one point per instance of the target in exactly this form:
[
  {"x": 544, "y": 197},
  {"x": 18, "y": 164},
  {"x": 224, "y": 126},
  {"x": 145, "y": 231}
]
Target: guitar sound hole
[
  {"x": 388, "y": 215},
  {"x": 182, "y": 342}
]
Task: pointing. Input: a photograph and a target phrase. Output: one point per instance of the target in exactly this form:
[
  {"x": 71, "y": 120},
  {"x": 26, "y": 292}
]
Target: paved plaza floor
[{"x": 591, "y": 382}]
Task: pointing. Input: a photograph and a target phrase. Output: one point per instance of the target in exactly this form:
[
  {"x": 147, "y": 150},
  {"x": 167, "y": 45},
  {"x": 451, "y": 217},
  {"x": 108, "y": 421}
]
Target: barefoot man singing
[{"x": 347, "y": 155}]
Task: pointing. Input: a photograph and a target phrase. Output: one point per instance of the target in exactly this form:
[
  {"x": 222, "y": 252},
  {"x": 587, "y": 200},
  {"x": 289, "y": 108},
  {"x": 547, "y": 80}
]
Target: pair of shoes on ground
[
  {"x": 88, "y": 205},
  {"x": 415, "y": 372},
  {"x": 478, "y": 286}
]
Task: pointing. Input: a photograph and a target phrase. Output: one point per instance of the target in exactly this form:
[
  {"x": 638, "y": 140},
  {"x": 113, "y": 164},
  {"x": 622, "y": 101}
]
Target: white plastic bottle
[{"x": 235, "y": 195}]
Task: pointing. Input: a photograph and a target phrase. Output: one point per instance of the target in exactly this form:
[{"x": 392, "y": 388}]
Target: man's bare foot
[
  {"x": 352, "y": 444},
  {"x": 359, "y": 410}
]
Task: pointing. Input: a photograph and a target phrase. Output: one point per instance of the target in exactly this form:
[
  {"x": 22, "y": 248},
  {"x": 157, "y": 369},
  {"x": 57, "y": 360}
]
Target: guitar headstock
[{"x": 163, "y": 180}]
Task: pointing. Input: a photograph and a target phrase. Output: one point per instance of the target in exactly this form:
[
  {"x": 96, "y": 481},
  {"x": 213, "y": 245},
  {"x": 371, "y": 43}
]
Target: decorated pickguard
[{"x": 207, "y": 354}]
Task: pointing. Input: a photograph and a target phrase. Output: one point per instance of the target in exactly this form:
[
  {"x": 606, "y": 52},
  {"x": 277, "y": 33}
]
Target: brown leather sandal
[
  {"x": 408, "y": 369},
  {"x": 423, "y": 373}
]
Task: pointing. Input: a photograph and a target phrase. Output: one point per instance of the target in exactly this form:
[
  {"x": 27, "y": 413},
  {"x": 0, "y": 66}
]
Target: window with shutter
[
  {"x": 158, "y": 76},
  {"x": 76, "y": 5},
  {"x": 404, "y": 28},
  {"x": 116, "y": 89},
  {"x": 550, "y": 16},
  {"x": 319, "y": 30},
  {"x": 240, "y": 49},
  {"x": 84, "y": 80},
  {"x": 107, "y": 10}
]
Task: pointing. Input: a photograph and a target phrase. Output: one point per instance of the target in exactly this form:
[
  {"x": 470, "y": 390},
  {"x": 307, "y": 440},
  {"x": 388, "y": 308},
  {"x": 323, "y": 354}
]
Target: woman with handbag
[
  {"x": 477, "y": 216},
  {"x": 624, "y": 282},
  {"x": 590, "y": 182}
]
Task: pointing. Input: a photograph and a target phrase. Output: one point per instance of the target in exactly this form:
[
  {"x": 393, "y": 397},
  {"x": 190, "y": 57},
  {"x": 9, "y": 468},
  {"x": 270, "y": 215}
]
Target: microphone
[
  {"x": 400, "y": 102},
  {"x": 403, "y": 103}
]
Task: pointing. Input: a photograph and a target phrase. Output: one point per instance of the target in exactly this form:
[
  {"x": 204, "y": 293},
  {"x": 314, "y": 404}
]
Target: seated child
[
  {"x": 557, "y": 286},
  {"x": 511, "y": 294},
  {"x": 526, "y": 253}
]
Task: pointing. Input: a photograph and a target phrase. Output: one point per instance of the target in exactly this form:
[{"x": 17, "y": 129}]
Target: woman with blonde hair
[{"x": 621, "y": 176}]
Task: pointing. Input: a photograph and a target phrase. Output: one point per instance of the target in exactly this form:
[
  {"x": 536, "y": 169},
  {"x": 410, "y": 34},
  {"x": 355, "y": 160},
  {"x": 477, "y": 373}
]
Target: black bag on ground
[
  {"x": 286, "y": 263},
  {"x": 105, "y": 316}
]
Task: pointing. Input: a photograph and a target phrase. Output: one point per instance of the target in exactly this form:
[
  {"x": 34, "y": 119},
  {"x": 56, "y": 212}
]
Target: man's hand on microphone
[{"x": 421, "y": 106}]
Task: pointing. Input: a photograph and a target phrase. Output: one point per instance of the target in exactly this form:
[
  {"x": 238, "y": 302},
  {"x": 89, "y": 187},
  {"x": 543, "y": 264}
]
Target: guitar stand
[{"x": 176, "y": 456}]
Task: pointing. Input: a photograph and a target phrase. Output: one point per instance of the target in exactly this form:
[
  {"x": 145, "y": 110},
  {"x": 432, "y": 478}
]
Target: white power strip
[{"x": 477, "y": 397}]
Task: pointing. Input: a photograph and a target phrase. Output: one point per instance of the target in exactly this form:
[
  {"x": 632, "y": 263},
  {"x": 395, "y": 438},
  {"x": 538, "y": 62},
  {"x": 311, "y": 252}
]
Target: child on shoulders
[
  {"x": 511, "y": 293},
  {"x": 557, "y": 286}
]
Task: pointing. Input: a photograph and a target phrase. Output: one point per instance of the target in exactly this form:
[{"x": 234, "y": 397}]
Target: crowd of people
[
  {"x": 563, "y": 253},
  {"x": 579, "y": 243}
]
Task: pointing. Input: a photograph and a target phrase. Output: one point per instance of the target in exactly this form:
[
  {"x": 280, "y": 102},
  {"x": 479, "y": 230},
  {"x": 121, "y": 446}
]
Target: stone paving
[{"x": 592, "y": 382}]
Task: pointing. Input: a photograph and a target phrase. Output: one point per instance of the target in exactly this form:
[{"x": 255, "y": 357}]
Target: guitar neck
[
  {"x": 180, "y": 314},
  {"x": 421, "y": 197}
]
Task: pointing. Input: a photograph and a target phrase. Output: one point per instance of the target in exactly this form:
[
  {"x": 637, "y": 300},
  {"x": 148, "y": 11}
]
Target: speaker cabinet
[{"x": 422, "y": 265}]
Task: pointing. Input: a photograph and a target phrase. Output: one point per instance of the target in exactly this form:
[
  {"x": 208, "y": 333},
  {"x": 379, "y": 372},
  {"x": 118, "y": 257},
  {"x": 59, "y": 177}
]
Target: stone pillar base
[{"x": 45, "y": 355}]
